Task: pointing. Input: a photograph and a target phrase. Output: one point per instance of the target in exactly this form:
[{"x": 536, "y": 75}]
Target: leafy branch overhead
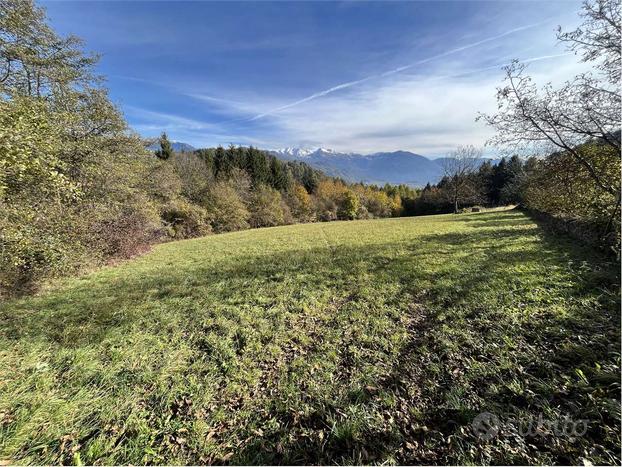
[{"x": 586, "y": 108}]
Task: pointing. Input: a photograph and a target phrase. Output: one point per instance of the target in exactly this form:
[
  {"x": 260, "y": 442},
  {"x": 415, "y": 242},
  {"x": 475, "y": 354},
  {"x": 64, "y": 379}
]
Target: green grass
[{"x": 347, "y": 342}]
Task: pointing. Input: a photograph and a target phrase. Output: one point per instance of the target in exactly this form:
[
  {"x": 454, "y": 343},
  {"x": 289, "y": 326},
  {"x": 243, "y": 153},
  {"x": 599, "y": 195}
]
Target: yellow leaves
[
  {"x": 302, "y": 197},
  {"x": 30, "y": 149},
  {"x": 330, "y": 189}
]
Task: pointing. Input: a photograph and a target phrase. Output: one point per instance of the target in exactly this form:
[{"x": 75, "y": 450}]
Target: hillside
[
  {"x": 387, "y": 167},
  {"x": 397, "y": 167},
  {"x": 373, "y": 341},
  {"x": 177, "y": 146}
]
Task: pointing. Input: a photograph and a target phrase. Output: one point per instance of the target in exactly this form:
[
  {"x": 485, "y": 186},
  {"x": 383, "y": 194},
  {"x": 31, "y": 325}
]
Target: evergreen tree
[
  {"x": 485, "y": 179},
  {"x": 498, "y": 181},
  {"x": 309, "y": 179},
  {"x": 515, "y": 167},
  {"x": 207, "y": 156},
  {"x": 223, "y": 163},
  {"x": 511, "y": 190},
  {"x": 258, "y": 167},
  {"x": 278, "y": 175},
  {"x": 166, "y": 150}
]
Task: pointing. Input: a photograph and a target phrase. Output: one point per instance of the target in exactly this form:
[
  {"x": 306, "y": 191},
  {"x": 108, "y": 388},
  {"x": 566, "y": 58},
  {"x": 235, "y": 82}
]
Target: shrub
[
  {"x": 226, "y": 209},
  {"x": 328, "y": 215},
  {"x": 266, "y": 208},
  {"x": 125, "y": 233},
  {"x": 377, "y": 202},
  {"x": 33, "y": 244},
  {"x": 115, "y": 226},
  {"x": 185, "y": 220},
  {"x": 348, "y": 206},
  {"x": 363, "y": 213}
]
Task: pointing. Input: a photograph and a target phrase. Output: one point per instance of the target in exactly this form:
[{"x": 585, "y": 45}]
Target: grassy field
[{"x": 347, "y": 342}]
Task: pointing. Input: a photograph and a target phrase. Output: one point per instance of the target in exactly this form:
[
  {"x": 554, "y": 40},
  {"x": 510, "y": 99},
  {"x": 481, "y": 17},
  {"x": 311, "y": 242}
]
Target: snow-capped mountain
[
  {"x": 293, "y": 153},
  {"x": 380, "y": 168},
  {"x": 300, "y": 153}
]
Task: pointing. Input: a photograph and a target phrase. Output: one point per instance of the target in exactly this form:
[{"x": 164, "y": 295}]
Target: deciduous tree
[{"x": 459, "y": 171}]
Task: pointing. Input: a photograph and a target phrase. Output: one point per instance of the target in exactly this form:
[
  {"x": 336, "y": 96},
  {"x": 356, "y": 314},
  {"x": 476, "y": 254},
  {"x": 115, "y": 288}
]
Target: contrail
[
  {"x": 499, "y": 65},
  {"x": 313, "y": 96},
  {"x": 392, "y": 72}
]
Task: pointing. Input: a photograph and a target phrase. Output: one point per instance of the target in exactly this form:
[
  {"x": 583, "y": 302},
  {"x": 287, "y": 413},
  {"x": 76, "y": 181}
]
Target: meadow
[{"x": 375, "y": 341}]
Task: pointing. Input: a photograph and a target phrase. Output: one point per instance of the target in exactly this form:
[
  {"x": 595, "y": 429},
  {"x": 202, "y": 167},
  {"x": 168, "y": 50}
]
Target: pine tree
[
  {"x": 222, "y": 163},
  {"x": 498, "y": 181},
  {"x": 258, "y": 167},
  {"x": 166, "y": 150},
  {"x": 279, "y": 178}
]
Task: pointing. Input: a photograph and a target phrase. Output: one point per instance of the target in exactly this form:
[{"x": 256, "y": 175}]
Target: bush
[
  {"x": 33, "y": 244},
  {"x": 267, "y": 208},
  {"x": 225, "y": 207},
  {"x": 125, "y": 233},
  {"x": 328, "y": 215},
  {"x": 363, "y": 213},
  {"x": 185, "y": 220},
  {"x": 376, "y": 202},
  {"x": 349, "y": 206}
]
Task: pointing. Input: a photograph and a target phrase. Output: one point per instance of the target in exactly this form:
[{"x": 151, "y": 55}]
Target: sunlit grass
[{"x": 345, "y": 342}]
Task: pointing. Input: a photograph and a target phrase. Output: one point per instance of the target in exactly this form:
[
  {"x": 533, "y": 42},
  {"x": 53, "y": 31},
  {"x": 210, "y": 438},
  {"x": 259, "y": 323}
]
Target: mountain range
[
  {"x": 178, "y": 146},
  {"x": 378, "y": 168},
  {"x": 397, "y": 167}
]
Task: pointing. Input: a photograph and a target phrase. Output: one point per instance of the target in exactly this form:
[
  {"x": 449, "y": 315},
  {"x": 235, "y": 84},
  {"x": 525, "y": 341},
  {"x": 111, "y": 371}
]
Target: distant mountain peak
[
  {"x": 300, "y": 152},
  {"x": 294, "y": 151},
  {"x": 178, "y": 146},
  {"x": 379, "y": 168}
]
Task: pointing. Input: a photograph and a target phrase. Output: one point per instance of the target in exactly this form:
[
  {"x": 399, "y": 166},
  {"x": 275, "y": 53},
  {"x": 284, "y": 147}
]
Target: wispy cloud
[
  {"x": 427, "y": 114},
  {"x": 394, "y": 71},
  {"x": 199, "y": 132},
  {"x": 167, "y": 120},
  {"x": 179, "y": 90},
  {"x": 499, "y": 66}
]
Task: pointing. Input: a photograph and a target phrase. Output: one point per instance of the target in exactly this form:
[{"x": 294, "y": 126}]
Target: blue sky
[{"x": 352, "y": 76}]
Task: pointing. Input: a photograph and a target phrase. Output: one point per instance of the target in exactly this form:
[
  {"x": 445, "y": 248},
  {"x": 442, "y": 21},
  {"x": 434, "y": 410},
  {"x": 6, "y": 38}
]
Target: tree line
[
  {"x": 223, "y": 190},
  {"x": 78, "y": 187},
  {"x": 568, "y": 137}
]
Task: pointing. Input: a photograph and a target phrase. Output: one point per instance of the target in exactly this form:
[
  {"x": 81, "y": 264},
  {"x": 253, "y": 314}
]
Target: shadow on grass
[
  {"x": 530, "y": 362},
  {"x": 92, "y": 308},
  {"x": 500, "y": 319}
]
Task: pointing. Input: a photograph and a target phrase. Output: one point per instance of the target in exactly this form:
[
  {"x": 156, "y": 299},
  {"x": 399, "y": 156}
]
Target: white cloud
[
  {"x": 197, "y": 132},
  {"x": 393, "y": 71},
  {"x": 428, "y": 109},
  {"x": 429, "y": 115}
]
